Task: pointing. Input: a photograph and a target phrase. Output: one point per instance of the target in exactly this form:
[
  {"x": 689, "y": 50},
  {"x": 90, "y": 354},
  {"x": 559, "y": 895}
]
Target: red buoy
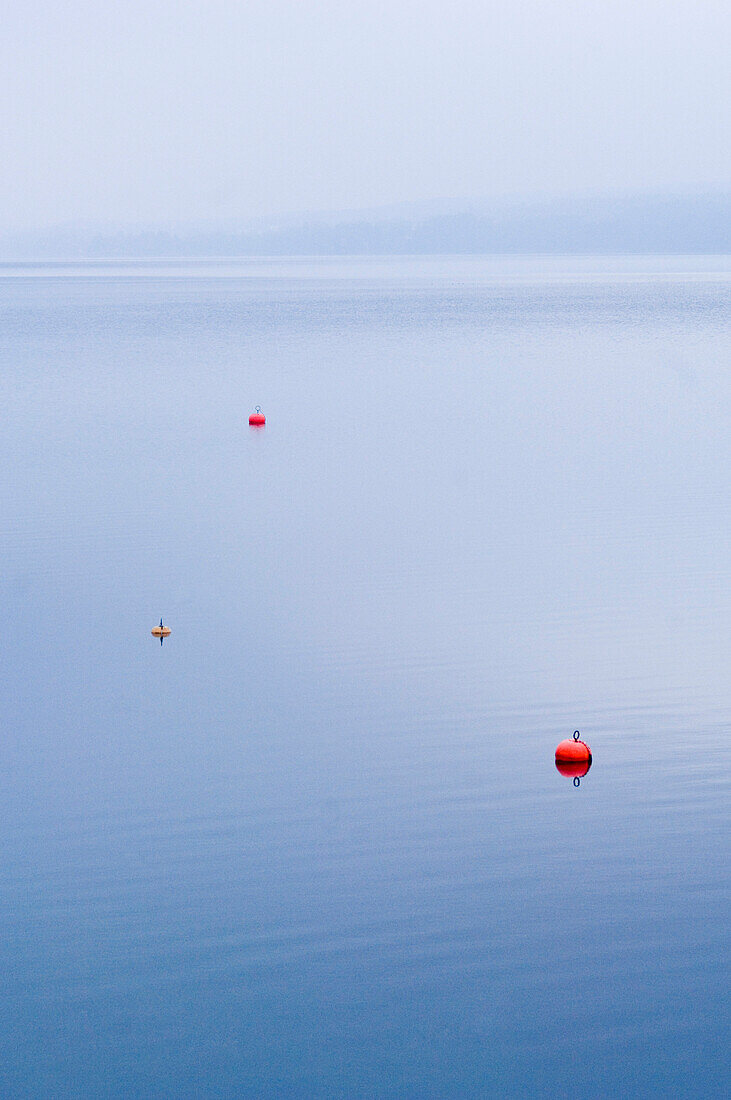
[
  {"x": 257, "y": 419},
  {"x": 573, "y": 752}
]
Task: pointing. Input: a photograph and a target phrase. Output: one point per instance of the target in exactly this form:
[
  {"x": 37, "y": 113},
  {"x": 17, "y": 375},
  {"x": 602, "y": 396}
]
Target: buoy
[
  {"x": 257, "y": 419},
  {"x": 572, "y": 752},
  {"x": 160, "y": 631}
]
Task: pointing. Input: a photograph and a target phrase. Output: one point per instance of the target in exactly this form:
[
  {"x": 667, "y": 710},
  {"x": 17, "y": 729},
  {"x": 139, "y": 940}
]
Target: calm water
[{"x": 315, "y": 845}]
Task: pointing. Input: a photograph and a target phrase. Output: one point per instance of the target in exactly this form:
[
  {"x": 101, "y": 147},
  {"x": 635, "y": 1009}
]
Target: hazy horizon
[
  {"x": 672, "y": 223},
  {"x": 223, "y": 115}
]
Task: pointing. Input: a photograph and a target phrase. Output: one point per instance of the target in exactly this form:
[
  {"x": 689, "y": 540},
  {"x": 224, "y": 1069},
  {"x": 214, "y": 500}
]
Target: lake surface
[{"x": 315, "y": 845}]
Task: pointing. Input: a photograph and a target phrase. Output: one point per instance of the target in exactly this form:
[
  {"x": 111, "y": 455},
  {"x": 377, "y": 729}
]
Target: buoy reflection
[{"x": 573, "y": 769}]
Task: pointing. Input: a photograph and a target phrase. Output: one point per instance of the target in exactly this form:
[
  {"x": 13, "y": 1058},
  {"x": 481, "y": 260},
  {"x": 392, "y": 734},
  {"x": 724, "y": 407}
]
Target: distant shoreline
[
  {"x": 689, "y": 224},
  {"x": 487, "y": 265}
]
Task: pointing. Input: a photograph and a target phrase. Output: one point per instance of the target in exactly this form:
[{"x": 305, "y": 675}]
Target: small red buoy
[
  {"x": 573, "y": 752},
  {"x": 257, "y": 419}
]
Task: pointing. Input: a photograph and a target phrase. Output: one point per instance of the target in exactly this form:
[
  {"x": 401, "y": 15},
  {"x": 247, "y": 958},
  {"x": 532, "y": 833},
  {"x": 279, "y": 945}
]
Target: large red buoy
[
  {"x": 257, "y": 419},
  {"x": 573, "y": 752},
  {"x": 573, "y": 758}
]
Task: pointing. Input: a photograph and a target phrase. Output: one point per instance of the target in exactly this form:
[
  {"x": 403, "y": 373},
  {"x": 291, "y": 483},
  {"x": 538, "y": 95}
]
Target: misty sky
[{"x": 198, "y": 112}]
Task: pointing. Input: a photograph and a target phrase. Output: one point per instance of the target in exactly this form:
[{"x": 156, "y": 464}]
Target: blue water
[{"x": 315, "y": 845}]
